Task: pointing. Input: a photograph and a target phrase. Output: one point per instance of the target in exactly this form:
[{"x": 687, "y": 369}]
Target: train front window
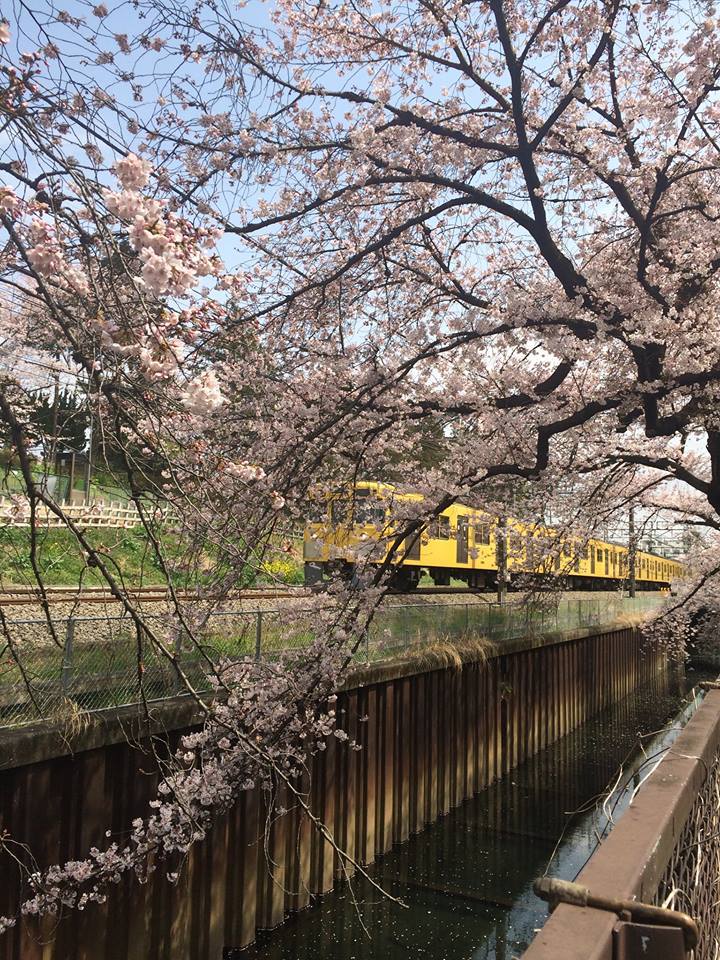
[
  {"x": 363, "y": 509},
  {"x": 341, "y": 512},
  {"x": 316, "y": 511},
  {"x": 369, "y": 510}
]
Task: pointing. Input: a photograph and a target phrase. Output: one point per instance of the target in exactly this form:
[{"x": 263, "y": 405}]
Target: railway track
[{"x": 22, "y": 596}]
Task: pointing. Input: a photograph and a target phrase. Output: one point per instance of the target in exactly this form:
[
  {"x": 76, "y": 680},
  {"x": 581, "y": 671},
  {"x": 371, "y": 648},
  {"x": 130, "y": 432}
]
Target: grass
[
  {"x": 61, "y": 561},
  {"x": 128, "y": 553},
  {"x": 450, "y": 653}
]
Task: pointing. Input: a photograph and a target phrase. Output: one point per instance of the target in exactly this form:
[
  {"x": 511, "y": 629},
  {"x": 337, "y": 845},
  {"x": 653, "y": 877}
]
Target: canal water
[{"x": 466, "y": 881}]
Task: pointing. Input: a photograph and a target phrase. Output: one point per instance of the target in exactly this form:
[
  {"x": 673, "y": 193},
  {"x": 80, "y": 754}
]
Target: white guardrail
[{"x": 15, "y": 512}]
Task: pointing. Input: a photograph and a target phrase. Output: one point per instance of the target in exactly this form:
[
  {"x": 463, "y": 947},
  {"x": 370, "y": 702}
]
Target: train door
[
  {"x": 462, "y": 540},
  {"x": 592, "y": 558},
  {"x": 607, "y": 561},
  {"x": 411, "y": 544}
]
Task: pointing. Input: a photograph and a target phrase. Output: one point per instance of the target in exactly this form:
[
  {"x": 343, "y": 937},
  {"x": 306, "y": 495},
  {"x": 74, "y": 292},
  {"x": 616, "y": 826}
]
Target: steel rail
[{"x": 13, "y": 598}]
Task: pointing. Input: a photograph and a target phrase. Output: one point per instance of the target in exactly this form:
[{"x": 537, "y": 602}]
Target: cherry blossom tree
[{"x": 271, "y": 246}]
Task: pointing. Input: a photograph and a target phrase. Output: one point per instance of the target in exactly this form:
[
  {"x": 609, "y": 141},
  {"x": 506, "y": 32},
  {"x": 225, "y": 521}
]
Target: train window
[
  {"x": 482, "y": 533},
  {"x": 599, "y": 554},
  {"x": 341, "y": 512},
  {"x": 439, "y": 528},
  {"x": 586, "y": 552},
  {"x": 316, "y": 511}
]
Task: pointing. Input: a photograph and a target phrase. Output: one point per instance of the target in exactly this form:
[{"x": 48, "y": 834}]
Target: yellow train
[{"x": 463, "y": 543}]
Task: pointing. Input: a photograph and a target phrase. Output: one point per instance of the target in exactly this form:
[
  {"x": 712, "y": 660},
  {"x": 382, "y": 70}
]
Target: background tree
[{"x": 62, "y": 417}]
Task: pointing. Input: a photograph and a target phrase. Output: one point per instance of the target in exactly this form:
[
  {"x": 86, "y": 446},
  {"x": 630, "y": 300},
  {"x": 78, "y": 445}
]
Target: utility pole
[
  {"x": 651, "y": 536},
  {"x": 501, "y": 558},
  {"x": 632, "y": 552}
]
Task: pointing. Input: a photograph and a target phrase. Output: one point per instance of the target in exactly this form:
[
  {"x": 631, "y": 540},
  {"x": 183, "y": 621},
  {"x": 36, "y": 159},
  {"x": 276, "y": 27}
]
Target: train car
[{"x": 463, "y": 543}]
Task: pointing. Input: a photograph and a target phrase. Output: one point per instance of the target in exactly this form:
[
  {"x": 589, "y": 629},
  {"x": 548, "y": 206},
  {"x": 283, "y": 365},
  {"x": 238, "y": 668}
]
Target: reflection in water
[{"x": 467, "y": 880}]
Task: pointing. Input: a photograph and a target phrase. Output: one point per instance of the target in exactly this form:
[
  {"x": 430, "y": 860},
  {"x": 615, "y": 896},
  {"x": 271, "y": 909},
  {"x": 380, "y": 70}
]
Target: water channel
[{"x": 466, "y": 881}]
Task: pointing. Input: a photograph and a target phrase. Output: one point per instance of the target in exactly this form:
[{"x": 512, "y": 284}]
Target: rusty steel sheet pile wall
[
  {"x": 664, "y": 851},
  {"x": 431, "y": 737}
]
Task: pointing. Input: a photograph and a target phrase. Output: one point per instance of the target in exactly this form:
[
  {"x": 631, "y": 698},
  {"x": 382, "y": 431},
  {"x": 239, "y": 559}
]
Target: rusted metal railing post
[{"x": 630, "y": 911}]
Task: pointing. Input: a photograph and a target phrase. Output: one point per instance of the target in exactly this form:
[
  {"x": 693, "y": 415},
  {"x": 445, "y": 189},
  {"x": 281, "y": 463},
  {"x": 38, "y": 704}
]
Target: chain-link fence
[
  {"x": 691, "y": 882},
  {"x": 400, "y": 627},
  {"x": 91, "y": 663}
]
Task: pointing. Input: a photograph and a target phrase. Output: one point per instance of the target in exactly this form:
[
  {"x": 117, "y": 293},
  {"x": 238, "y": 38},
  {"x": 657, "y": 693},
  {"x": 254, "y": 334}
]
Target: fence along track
[
  {"x": 665, "y": 850},
  {"x": 92, "y": 662}
]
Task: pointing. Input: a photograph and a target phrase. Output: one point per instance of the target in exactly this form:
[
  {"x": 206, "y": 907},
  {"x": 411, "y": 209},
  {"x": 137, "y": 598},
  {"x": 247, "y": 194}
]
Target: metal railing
[
  {"x": 664, "y": 852},
  {"x": 91, "y": 663}
]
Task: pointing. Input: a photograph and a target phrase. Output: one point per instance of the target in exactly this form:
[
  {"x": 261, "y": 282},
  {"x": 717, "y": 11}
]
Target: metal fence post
[
  {"x": 178, "y": 643},
  {"x": 258, "y": 634},
  {"x": 178, "y": 657},
  {"x": 67, "y": 661}
]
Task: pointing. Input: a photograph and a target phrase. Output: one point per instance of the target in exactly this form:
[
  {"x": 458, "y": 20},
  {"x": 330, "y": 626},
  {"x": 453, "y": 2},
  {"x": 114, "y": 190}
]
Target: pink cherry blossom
[
  {"x": 468, "y": 247},
  {"x": 203, "y": 394},
  {"x": 133, "y": 172}
]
